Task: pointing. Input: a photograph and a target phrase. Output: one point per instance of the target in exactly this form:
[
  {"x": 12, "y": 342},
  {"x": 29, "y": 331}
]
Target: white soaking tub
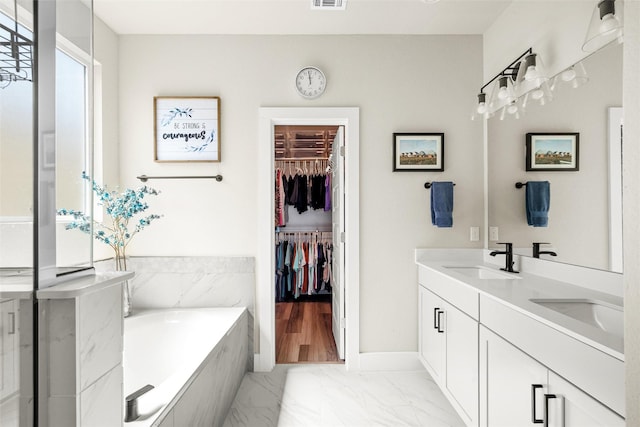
[{"x": 194, "y": 358}]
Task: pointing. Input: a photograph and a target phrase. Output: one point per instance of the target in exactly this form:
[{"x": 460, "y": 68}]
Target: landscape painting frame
[
  {"x": 559, "y": 151},
  {"x": 418, "y": 152}
]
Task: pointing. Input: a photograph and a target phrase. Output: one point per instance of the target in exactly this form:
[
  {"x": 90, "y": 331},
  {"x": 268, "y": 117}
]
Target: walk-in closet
[{"x": 306, "y": 270}]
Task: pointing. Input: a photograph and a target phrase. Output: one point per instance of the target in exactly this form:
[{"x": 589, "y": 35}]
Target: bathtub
[{"x": 195, "y": 359}]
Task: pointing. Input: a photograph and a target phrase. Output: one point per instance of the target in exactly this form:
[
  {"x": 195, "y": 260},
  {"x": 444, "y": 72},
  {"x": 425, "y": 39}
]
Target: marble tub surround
[
  {"x": 163, "y": 282},
  {"x": 206, "y": 396},
  {"x": 517, "y": 294},
  {"x": 328, "y": 395},
  {"x": 82, "y": 326}
]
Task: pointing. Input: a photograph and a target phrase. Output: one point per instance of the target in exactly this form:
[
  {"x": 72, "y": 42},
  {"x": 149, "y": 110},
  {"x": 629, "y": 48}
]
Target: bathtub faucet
[{"x": 131, "y": 408}]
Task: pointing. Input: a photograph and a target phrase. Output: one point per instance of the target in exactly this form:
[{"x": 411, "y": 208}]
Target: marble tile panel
[
  {"x": 101, "y": 402},
  {"x": 62, "y": 411},
  {"x": 100, "y": 328},
  {"x": 58, "y": 321},
  {"x": 263, "y": 417},
  {"x": 167, "y": 421},
  {"x": 210, "y": 395}
]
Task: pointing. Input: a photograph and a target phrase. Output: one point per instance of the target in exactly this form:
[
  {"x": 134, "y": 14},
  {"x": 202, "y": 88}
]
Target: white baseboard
[{"x": 390, "y": 361}]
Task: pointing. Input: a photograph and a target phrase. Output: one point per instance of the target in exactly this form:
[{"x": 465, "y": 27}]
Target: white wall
[
  {"x": 400, "y": 83},
  {"x": 554, "y": 29}
]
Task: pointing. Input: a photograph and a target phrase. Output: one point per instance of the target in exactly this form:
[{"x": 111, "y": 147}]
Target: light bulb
[
  {"x": 512, "y": 109},
  {"x": 609, "y": 24},
  {"x": 537, "y": 93},
  {"x": 482, "y": 108},
  {"x": 503, "y": 93},
  {"x": 568, "y": 75},
  {"x": 531, "y": 74}
]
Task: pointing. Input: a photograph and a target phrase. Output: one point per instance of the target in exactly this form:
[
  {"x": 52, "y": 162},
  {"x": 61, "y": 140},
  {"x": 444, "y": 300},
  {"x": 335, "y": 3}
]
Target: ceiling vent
[{"x": 328, "y": 4}]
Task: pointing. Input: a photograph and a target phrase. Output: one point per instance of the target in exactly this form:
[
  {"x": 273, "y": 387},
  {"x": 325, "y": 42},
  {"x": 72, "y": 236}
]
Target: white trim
[
  {"x": 391, "y": 361},
  {"x": 265, "y": 287}
]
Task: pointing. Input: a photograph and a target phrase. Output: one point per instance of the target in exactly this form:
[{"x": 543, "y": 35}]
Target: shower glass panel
[
  {"x": 16, "y": 218},
  {"x": 74, "y": 68}
]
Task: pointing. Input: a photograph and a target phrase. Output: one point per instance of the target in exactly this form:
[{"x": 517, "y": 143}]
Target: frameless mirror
[{"x": 584, "y": 218}]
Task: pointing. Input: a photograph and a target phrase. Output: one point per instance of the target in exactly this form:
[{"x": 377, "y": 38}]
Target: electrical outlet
[
  {"x": 474, "y": 234},
  {"x": 493, "y": 234}
]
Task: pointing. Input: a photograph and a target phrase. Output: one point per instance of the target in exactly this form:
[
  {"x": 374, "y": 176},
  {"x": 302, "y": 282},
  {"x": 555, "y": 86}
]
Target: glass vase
[{"x": 121, "y": 265}]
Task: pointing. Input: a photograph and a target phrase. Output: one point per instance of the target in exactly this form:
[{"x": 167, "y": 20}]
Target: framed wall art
[
  {"x": 552, "y": 151},
  {"x": 187, "y": 129},
  {"x": 418, "y": 152}
]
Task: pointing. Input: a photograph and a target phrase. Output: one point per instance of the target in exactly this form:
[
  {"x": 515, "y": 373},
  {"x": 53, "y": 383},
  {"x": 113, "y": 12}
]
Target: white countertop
[
  {"x": 84, "y": 285},
  {"x": 518, "y": 292}
]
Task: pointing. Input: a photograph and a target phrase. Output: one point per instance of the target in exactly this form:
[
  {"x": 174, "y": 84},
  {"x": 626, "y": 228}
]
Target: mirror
[{"x": 579, "y": 218}]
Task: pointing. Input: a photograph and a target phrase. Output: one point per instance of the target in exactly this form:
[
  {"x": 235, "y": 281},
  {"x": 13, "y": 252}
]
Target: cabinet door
[
  {"x": 572, "y": 407},
  {"x": 432, "y": 339},
  {"x": 8, "y": 348},
  {"x": 513, "y": 384},
  {"x": 461, "y": 333}
]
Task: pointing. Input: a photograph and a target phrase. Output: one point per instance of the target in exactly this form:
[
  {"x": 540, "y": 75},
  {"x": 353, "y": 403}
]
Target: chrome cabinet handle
[{"x": 534, "y": 420}]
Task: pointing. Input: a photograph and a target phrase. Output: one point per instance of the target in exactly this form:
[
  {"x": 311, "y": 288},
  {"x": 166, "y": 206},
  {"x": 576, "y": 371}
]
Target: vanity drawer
[{"x": 455, "y": 293}]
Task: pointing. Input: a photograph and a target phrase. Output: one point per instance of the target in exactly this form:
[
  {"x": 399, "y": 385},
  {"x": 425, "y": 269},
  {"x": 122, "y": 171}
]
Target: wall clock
[{"x": 311, "y": 82}]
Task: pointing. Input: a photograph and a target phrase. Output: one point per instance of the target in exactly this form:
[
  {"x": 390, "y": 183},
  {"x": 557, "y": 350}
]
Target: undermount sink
[
  {"x": 605, "y": 316},
  {"x": 479, "y": 272}
]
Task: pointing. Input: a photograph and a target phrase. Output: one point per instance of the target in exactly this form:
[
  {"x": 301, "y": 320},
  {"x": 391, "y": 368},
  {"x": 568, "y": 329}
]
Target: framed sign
[
  {"x": 187, "y": 129},
  {"x": 418, "y": 152},
  {"x": 552, "y": 151}
]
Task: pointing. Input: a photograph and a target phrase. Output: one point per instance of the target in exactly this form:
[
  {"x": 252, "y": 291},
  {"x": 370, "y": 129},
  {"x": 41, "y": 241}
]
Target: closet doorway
[{"x": 308, "y": 260}]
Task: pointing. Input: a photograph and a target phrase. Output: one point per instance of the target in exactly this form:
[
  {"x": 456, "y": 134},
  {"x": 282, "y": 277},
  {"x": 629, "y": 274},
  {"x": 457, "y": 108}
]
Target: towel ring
[{"x": 427, "y": 185}]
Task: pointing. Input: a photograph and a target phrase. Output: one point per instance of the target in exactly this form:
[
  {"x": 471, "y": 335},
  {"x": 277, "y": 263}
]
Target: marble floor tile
[{"x": 329, "y": 396}]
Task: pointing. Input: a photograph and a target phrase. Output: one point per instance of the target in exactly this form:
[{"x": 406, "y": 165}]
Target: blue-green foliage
[{"x": 120, "y": 208}]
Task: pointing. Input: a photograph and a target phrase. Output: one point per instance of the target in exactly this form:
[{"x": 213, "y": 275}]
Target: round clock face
[{"x": 310, "y": 82}]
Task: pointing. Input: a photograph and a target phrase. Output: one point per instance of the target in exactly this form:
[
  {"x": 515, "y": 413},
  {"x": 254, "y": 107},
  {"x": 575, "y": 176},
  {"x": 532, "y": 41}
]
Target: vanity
[{"x": 517, "y": 349}]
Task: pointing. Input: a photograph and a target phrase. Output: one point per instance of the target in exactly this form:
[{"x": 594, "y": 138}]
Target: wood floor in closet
[{"x": 303, "y": 333}]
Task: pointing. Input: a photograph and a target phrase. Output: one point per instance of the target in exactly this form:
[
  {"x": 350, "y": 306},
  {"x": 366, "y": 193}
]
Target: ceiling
[{"x": 296, "y": 16}]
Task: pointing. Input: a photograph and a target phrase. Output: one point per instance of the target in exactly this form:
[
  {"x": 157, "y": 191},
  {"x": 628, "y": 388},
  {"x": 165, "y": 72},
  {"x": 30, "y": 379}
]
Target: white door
[
  {"x": 432, "y": 337},
  {"x": 461, "y": 368},
  {"x": 337, "y": 204}
]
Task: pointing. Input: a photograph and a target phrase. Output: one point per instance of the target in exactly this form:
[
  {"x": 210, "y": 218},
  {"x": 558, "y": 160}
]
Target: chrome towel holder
[{"x": 145, "y": 178}]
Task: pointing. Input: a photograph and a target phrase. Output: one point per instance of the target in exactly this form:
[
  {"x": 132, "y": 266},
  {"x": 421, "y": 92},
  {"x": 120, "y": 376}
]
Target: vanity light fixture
[
  {"x": 605, "y": 26},
  {"x": 503, "y": 93}
]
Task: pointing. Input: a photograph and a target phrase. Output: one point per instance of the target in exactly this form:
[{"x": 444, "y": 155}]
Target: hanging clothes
[{"x": 301, "y": 264}]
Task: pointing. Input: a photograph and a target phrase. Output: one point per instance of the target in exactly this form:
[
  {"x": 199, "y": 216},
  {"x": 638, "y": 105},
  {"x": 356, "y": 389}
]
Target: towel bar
[
  {"x": 427, "y": 185},
  {"x": 145, "y": 178},
  {"x": 520, "y": 184}
]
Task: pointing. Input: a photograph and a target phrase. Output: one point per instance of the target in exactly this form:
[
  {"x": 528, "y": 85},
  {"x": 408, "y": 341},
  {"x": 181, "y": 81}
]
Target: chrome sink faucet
[
  {"x": 508, "y": 257},
  {"x": 537, "y": 252}
]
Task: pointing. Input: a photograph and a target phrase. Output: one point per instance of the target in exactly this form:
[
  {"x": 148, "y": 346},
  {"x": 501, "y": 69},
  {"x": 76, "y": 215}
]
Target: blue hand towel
[
  {"x": 442, "y": 204},
  {"x": 538, "y": 194}
]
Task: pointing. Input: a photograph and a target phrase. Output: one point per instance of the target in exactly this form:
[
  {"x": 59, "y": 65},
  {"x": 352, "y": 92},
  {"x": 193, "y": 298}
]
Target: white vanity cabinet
[
  {"x": 520, "y": 391},
  {"x": 449, "y": 348},
  {"x": 8, "y": 348}
]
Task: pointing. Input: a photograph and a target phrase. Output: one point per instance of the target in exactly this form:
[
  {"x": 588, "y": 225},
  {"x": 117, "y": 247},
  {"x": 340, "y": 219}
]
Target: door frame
[{"x": 349, "y": 117}]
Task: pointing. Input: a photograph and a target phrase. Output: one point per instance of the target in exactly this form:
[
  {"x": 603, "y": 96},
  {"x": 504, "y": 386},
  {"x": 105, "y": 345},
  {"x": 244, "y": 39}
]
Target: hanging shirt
[{"x": 327, "y": 193}]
